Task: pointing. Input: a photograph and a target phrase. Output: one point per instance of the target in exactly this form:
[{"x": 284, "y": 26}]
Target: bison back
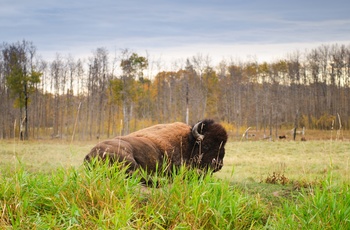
[{"x": 168, "y": 138}]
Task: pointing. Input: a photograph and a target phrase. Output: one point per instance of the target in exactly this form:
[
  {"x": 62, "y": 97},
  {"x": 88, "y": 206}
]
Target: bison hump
[{"x": 165, "y": 136}]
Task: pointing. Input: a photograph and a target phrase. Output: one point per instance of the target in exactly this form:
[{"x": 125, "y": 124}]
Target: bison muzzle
[{"x": 201, "y": 146}]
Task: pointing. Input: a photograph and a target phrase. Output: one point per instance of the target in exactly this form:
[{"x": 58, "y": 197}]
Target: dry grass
[
  {"x": 256, "y": 135},
  {"x": 43, "y": 155},
  {"x": 310, "y": 160},
  {"x": 244, "y": 161}
]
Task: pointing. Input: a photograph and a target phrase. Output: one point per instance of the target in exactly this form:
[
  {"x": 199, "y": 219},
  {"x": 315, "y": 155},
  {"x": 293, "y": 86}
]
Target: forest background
[{"x": 107, "y": 95}]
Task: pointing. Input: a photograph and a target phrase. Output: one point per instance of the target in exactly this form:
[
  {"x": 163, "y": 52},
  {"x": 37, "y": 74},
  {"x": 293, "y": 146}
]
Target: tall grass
[
  {"x": 104, "y": 198},
  {"x": 326, "y": 206}
]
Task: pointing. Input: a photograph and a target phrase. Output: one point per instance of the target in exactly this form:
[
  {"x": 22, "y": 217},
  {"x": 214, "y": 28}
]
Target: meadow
[{"x": 263, "y": 185}]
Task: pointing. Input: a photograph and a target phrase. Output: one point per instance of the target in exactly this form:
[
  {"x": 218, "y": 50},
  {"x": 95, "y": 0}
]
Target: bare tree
[{"x": 56, "y": 76}]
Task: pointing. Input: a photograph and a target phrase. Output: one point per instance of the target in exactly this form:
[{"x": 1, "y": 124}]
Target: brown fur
[{"x": 171, "y": 143}]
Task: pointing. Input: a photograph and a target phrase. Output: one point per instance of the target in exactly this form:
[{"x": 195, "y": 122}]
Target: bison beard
[{"x": 201, "y": 146}]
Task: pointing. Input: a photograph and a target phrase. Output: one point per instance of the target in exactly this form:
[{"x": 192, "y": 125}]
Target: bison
[{"x": 166, "y": 146}]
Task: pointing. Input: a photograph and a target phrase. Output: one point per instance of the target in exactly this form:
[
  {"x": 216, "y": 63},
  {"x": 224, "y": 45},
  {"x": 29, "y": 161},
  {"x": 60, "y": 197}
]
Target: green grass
[
  {"x": 105, "y": 198},
  {"x": 43, "y": 185},
  {"x": 324, "y": 207}
]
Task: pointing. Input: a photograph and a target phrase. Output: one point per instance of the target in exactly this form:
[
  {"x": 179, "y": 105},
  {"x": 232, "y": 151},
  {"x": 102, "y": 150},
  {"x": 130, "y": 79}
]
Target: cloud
[{"x": 175, "y": 29}]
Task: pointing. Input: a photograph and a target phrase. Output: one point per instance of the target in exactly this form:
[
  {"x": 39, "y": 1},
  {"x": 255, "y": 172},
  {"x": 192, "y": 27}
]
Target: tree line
[{"x": 107, "y": 95}]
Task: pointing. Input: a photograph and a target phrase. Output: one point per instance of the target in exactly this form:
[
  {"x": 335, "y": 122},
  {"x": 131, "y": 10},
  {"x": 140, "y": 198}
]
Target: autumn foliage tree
[
  {"x": 132, "y": 66},
  {"x": 21, "y": 78}
]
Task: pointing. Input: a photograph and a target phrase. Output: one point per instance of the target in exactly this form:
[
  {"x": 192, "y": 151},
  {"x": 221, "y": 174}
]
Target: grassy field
[
  {"x": 244, "y": 161},
  {"x": 263, "y": 185}
]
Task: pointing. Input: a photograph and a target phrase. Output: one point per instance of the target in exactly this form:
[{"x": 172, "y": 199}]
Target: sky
[{"x": 170, "y": 30}]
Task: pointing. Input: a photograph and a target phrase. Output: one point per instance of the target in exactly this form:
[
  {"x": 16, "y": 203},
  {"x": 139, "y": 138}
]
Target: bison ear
[{"x": 195, "y": 133}]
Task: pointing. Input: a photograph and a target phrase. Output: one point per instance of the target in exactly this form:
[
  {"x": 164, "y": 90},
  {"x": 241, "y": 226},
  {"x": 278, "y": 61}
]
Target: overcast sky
[{"x": 176, "y": 29}]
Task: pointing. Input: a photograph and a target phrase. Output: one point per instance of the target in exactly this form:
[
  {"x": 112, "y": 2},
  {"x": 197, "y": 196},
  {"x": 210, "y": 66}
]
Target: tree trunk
[
  {"x": 26, "y": 112},
  {"x": 295, "y": 124}
]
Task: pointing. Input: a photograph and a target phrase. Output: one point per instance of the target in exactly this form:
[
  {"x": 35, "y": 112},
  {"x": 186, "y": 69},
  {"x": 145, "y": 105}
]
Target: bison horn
[{"x": 195, "y": 133}]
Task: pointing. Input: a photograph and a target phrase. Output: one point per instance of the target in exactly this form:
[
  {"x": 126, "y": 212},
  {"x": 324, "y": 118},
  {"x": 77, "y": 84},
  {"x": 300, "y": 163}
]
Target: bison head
[{"x": 208, "y": 145}]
